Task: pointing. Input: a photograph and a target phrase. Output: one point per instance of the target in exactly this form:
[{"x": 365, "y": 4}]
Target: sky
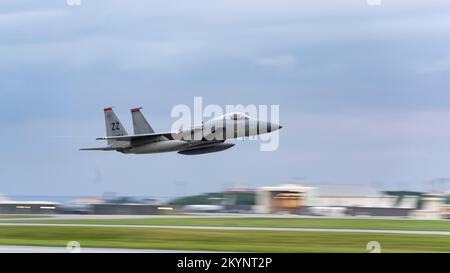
[{"x": 363, "y": 91}]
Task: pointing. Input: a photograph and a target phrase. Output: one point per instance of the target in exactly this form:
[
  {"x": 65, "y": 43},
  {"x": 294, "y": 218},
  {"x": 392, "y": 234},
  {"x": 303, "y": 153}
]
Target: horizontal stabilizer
[{"x": 138, "y": 137}]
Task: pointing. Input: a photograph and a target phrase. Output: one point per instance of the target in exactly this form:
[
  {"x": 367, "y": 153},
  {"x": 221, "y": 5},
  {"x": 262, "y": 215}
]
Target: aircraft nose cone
[
  {"x": 267, "y": 127},
  {"x": 274, "y": 127}
]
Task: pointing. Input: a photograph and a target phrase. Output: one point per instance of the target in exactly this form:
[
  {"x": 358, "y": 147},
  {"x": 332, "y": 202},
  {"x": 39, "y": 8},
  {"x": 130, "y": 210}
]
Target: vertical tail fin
[
  {"x": 140, "y": 124},
  {"x": 113, "y": 125}
]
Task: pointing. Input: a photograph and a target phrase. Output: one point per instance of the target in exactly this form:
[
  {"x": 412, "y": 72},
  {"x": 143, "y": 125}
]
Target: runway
[
  {"x": 45, "y": 249},
  {"x": 189, "y": 216},
  {"x": 446, "y": 233}
]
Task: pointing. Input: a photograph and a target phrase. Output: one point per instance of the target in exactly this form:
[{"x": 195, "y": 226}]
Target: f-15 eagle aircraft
[{"x": 208, "y": 138}]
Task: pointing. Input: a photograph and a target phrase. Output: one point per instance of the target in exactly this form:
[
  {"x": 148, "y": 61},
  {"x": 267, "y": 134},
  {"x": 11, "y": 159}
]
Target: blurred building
[
  {"x": 80, "y": 205},
  {"x": 433, "y": 206},
  {"x": 286, "y": 198},
  {"x": 336, "y": 200},
  {"x": 446, "y": 206},
  {"x": 125, "y": 209},
  {"x": 126, "y": 206},
  {"x": 362, "y": 200},
  {"x": 236, "y": 200},
  {"x": 351, "y": 195},
  {"x": 28, "y": 207}
]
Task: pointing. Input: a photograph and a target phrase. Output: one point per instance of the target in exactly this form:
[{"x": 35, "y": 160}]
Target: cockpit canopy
[{"x": 236, "y": 116}]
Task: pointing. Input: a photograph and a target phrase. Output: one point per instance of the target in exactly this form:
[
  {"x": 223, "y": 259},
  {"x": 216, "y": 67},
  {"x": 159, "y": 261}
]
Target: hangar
[
  {"x": 28, "y": 207},
  {"x": 336, "y": 200},
  {"x": 286, "y": 198}
]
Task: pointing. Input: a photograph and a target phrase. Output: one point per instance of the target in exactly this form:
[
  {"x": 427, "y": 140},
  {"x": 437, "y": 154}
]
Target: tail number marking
[{"x": 115, "y": 126}]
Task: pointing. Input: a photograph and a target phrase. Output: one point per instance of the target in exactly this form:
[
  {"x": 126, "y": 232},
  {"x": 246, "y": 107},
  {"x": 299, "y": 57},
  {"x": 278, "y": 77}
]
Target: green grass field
[
  {"x": 424, "y": 225},
  {"x": 220, "y": 240}
]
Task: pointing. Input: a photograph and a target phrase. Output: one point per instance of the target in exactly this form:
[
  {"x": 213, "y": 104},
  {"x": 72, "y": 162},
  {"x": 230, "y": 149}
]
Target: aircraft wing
[
  {"x": 102, "y": 149},
  {"x": 138, "y": 137}
]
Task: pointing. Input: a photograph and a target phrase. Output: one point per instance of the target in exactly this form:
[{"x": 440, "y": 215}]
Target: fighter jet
[{"x": 210, "y": 137}]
